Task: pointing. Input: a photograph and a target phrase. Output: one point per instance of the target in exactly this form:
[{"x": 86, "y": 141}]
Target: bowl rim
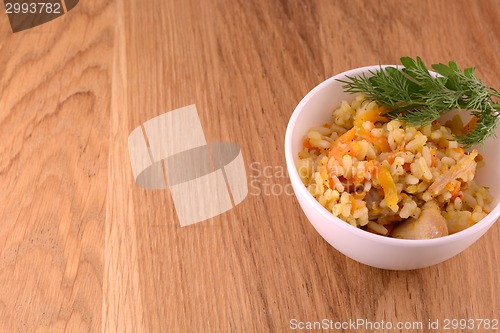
[{"x": 486, "y": 222}]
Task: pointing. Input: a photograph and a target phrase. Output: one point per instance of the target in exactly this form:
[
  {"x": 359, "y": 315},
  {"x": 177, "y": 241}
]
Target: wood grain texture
[
  {"x": 122, "y": 304},
  {"x": 84, "y": 249},
  {"x": 55, "y": 99}
]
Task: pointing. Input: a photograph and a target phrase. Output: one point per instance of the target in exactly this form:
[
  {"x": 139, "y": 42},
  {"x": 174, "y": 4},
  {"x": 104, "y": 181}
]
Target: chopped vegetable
[{"x": 390, "y": 192}]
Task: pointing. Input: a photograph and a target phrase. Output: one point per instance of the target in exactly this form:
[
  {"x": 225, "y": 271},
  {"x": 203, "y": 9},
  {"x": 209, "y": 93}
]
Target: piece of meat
[
  {"x": 373, "y": 197},
  {"x": 375, "y": 213},
  {"x": 465, "y": 169},
  {"x": 430, "y": 224}
]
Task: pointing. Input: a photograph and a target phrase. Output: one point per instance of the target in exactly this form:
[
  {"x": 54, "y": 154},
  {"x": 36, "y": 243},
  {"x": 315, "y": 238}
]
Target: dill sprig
[{"x": 419, "y": 98}]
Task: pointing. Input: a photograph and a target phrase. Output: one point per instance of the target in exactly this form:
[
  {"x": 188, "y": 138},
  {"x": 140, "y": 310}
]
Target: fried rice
[{"x": 377, "y": 174}]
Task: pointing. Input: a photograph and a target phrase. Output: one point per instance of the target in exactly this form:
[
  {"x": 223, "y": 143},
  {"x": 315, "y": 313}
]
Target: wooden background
[{"x": 83, "y": 249}]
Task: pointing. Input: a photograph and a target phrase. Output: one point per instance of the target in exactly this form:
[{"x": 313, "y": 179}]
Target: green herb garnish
[{"x": 419, "y": 98}]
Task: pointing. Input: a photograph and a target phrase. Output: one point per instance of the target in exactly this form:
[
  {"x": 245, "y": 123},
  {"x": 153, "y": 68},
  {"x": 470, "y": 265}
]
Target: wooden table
[{"x": 82, "y": 248}]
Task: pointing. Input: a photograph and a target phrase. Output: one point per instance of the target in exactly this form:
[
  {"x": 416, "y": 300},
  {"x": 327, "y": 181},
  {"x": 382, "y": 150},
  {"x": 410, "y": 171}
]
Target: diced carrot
[
  {"x": 348, "y": 136},
  {"x": 336, "y": 151},
  {"x": 323, "y": 172},
  {"x": 355, "y": 184},
  {"x": 470, "y": 125},
  {"x": 459, "y": 150},
  {"x": 392, "y": 156},
  {"x": 455, "y": 190},
  {"x": 380, "y": 143},
  {"x": 354, "y": 148},
  {"x": 390, "y": 191},
  {"x": 307, "y": 144},
  {"x": 371, "y": 167},
  {"x": 354, "y": 206},
  {"x": 351, "y": 148}
]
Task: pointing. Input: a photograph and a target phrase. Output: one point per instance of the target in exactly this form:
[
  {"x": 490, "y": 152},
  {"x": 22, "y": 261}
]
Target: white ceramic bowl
[{"x": 371, "y": 249}]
